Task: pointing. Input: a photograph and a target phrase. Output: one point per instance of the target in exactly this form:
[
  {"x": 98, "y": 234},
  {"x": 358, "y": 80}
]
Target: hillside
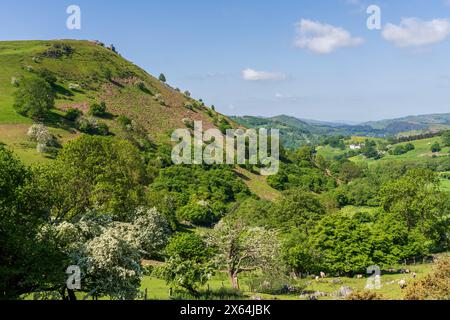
[
  {"x": 86, "y": 73},
  {"x": 89, "y": 73}
]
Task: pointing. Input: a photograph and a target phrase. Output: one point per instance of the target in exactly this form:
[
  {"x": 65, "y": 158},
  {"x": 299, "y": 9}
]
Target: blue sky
[{"x": 311, "y": 59}]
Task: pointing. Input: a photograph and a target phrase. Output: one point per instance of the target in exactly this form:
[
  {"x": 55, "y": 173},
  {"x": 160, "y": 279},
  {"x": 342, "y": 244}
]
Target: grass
[
  {"x": 445, "y": 184},
  {"x": 159, "y": 109},
  {"x": 258, "y": 184},
  {"x": 158, "y": 290},
  {"x": 329, "y": 152},
  {"x": 421, "y": 153}
]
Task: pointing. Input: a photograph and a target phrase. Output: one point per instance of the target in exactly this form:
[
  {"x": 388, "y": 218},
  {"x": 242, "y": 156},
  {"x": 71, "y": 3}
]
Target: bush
[
  {"x": 188, "y": 246},
  {"x": 364, "y": 295},
  {"x": 90, "y": 125},
  {"x": 124, "y": 122},
  {"x": 41, "y": 135},
  {"x": 102, "y": 129},
  {"x": 436, "y": 147},
  {"x": 15, "y": 81},
  {"x": 197, "y": 214},
  {"x": 97, "y": 110},
  {"x": 72, "y": 114},
  {"x": 435, "y": 286},
  {"x": 47, "y": 75}
]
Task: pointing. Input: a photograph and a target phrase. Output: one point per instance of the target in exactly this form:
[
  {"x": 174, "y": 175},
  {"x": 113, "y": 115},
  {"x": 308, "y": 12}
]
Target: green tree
[
  {"x": 34, "y": 98},
  {"x": 446, "y": 138},
  {"x": 415, "y": 199},
  {"x": 30, "y": 260},
  {"x": 48, "y": 76},
  {"x": 298, "y": 209},
  {"x": 92, "y": 170},
  {"x": 436, "y": 147},
  {"x": 162, "y": 77},
  {"x": 188, "y": 264}
]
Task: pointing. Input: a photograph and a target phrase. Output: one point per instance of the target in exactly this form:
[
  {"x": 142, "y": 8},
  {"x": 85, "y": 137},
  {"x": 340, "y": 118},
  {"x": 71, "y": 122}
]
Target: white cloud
[
  {"x": 253, "y": 75},
  {"x": 413, "y": 32},
  {"x": 323, "y": 38}
]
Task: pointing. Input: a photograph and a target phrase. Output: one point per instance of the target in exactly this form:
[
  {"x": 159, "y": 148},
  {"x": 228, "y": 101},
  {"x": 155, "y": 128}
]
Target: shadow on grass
[
  {"x": 60, "y": 90},
  {"x": 55, "y": 120}
]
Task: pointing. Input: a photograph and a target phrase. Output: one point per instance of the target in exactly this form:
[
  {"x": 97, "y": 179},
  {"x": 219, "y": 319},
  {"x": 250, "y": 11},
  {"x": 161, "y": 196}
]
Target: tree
[
  {"x": 93, "y": 170},
  {"x": 298, "y": 209},
  {"x": 414, "y": 198},
  {"x": 196, "y": 213},
  {"x": 109, "y": 252},
  {"x": 162, "y": 77},
  {"x": 188, "y": 246},
  {"x": 241, "y": 248},
  {"x": 436, "y": 147},
  {"x": 30, "y": 260},
  {"x": 188, "y": 264},
  {"x": 446, "y": 138},
  {"x": 34, "y": 98},
  {"x": 48, "y": 76}
]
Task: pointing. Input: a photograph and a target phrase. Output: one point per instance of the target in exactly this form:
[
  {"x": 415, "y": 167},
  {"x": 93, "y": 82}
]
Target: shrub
[
  {"x": 103, "y": 129},
  {"x": 74, "y": 86},
  {"x": 47, "y": 75},
  {"x": 15, "y": 81},
  {"x": 40, "y": 134},
  {"x": 436, "y": 147},
  {"x": 162, "y": 77},
  {"x": 90, "y": 125},
  {"x": 435, "y": 286},
  {"x": 98, "y": 110},
  {"x": 188, "y": 246},
  {"x": 87, "y": 124},
  {"x": 365, "y": 295},
  {"x": 58, "y": 50},
  {"x": 197, "y": 214},
  {"x": 189, "y": 106},
  {"x": 124, "y": 122},
  {"x": 72, "y": 114}
]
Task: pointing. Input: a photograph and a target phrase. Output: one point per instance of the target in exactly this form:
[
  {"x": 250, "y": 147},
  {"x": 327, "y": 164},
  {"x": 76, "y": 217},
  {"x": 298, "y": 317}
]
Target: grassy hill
[
  {"x": 88, "y": 73},
  {"x": 91, "y": 73}
]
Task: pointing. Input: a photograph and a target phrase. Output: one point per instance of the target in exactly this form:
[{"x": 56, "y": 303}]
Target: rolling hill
[
  {"x": 87, "y": 72},
  {"x": 296, "y": 132}
]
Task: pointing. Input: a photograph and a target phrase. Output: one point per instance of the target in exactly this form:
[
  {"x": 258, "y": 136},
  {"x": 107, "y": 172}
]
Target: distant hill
[
  {"x": 410, "y": 123},
  {"x": 296, "y": 132}
]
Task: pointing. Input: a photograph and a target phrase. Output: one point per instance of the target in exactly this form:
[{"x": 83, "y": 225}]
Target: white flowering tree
[
  {"x": 109, "y": 253},
  {"x": 42, "y": 136},
  {"x": 241, "y": 248}
]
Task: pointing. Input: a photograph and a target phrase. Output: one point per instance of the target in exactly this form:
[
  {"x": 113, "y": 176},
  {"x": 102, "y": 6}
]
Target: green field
[{"x": 157, "y": 289}]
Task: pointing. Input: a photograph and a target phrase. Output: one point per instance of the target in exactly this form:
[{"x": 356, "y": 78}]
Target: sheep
[
  {"x": 359, "y": 276},
  {"x": 322, "y": 274},
  {"x": 402, "y": 284},
  {"x": 413, "y": 274}
]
